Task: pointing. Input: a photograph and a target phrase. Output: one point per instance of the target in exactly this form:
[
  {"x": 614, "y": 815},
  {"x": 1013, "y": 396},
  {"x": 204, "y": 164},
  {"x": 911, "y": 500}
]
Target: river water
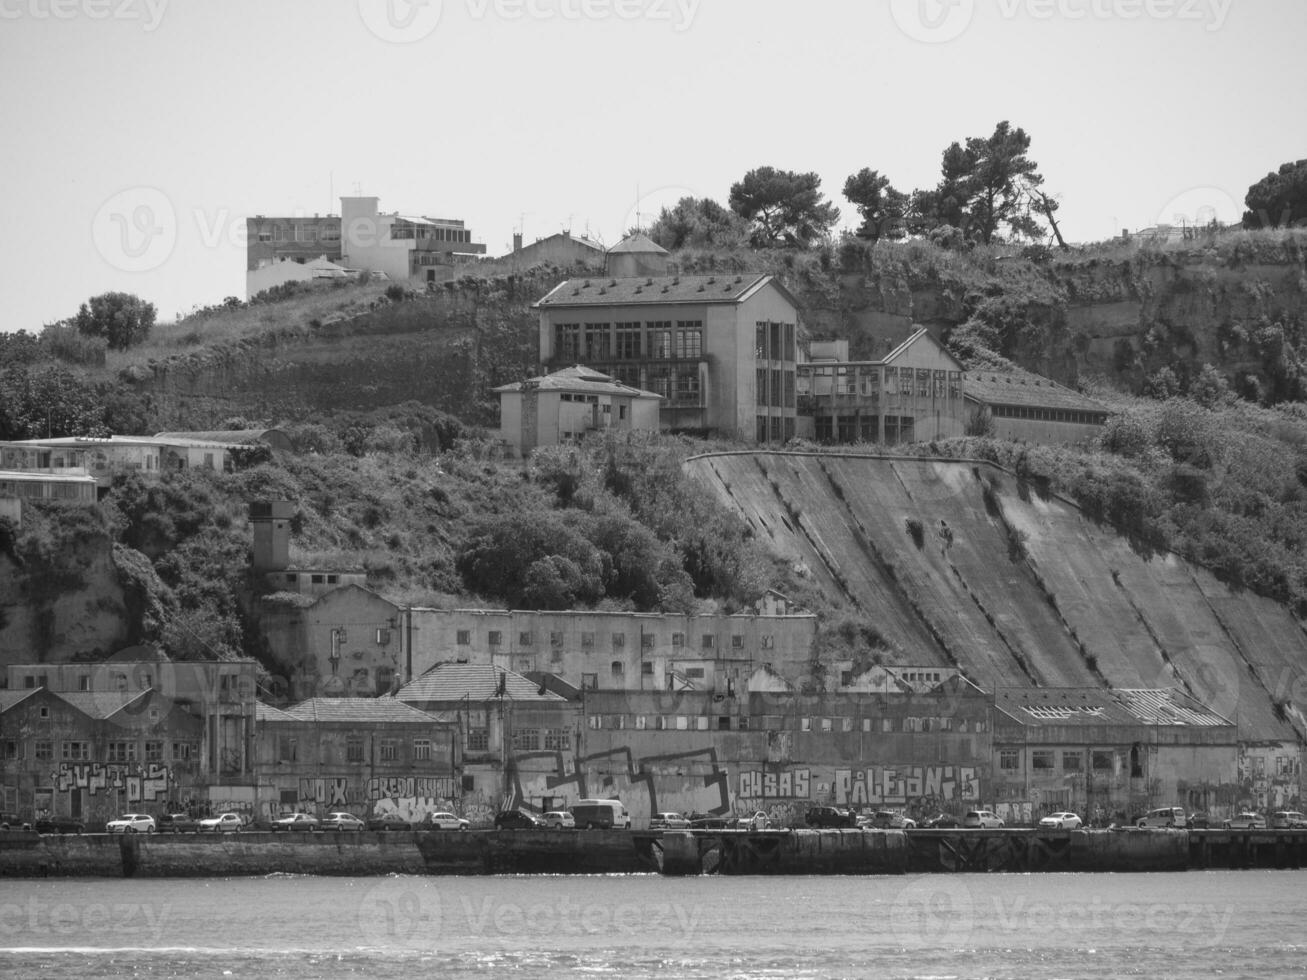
[{"x": 1193, "y": 924}]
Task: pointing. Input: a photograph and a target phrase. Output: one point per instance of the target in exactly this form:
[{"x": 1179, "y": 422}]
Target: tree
[
  {"x": 120, "y": 318},
  {"x": 881, "y": 206},
  {"x": 1278, "y": 200},
  {"x": 1000, "y": 169},
  {"x": 784, "y": 206},
  {"x": 698, "y": 222}
]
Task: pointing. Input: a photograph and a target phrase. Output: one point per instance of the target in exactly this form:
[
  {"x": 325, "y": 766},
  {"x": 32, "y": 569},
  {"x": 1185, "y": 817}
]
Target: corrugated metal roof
[
  {"x": 579, "y": 379},
  {"x": 357, "y": 710},
  {"x": 475, "y": 682},
  {"x": 1026, "y": 391},
  {"x": 1099, "y": 706},
  {"x": 655, "y": 290}
]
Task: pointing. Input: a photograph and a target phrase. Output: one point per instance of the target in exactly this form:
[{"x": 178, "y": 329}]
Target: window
[
  {"x": 628, "y": 341},
  {"x": 558, "y": 739},
  {"x": 288, "y": 749},
  {"x": 1041, "y": 759},
  {"x": 11, "y": 749},
  {"x": 181, "y": 751},
  {"x": 353, "y": 748},
  {"x": 618, "y": 669},
  {"x": 646, "y": 667},
  {"x": 84, "y": 682},
  {"x": 1009, "y": 759},
  {"x": 590, "y": 682},
  {"x": 689, "y": 338},
  {"x": 1071, "y": 761},
  {"x": 737, "y": 641},
  {"x": 556, "y": 639},
  {"x": 768, "y": 642},
  {"x": 805, "y": 724},
  {"x": 708, "y": 642},
  {"x": 76, "y": 751},
  {"x": 678, "y": 639},
  {"x": 385, "y": 679},
  {"x": 1102, "y": 760},
  {"x": 496, "y": 638},
  {"x": 388, "y": 750},
  {"x": 524, "y": 639},
  {"x": 743, "y": 724},
  {"x": 421, "y": 749},
  {"x": 682, "y": 723},
  {"x": 619, "y": 640},
  {"x": 846, "y": 678},
  {"x": 694, "y": 673},
  {"x": 646, "y": 641},
  {"x": 587, "y": 641},
  {"x": 44, "y": 750},
  {"x": 478, "y": 740},
  {"x": 825, "y": 724},
  {"x": 464, "y": 638},
  {"x": 153, "y": 751},
  {"x": 526, "y": 739},
  {"x": 122, "y": 752}
]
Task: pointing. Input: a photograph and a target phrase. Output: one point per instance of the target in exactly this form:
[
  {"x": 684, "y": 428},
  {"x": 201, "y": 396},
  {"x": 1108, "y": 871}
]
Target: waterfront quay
[{"x": 695, "y": 852}]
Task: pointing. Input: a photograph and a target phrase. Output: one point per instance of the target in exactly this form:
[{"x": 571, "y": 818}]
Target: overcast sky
[{"x": 139, "y": 134}]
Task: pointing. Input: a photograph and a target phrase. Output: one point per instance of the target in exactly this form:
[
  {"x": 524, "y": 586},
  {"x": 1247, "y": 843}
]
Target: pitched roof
[
  {"x": 101, "y": 704},
  {"x": 658, "y": 290},
  {"x": 638, "y": 243},
  {"x": 358, "y": 710},
  {"x": 10, "y": 698},
  {"x": 1025, "y": 390},
  {"x": 266, "y": 712},
  {"x": 142, "y": 653},
  {"x": 1099, "y": 706},
  {"x": 235, "y": 437},
  {"x": 579, "y": 379},
  {"x": 475, "y": 682}
]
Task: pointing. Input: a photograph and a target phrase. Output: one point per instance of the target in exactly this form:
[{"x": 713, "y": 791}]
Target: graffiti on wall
[
  {"x": 905, "y": 784},
  {"x": 141, "y": 783},
  {"x": 788, "y": 783}
]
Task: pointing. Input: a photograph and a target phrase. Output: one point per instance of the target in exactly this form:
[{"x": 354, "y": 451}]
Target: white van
[{"x": 601, "y": 815}]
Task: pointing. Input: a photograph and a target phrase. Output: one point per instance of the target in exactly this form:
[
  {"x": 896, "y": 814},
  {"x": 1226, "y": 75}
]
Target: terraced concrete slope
[{"x": 959, "y": 564}]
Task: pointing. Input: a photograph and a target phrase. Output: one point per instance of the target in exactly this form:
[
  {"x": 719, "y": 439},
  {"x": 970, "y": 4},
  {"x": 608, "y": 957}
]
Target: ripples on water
[{"x": 1228, "y": 924}]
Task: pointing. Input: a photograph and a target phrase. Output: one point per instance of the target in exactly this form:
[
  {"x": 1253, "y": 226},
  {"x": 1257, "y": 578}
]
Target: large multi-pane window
[
  {"x": 567, "y": 341},
  {"x": 687, "y": 386},
  {"x": 689, "y": 338},
  {"x": 660, "y": 381},
  {"x": 628, "y": 341},
  {"x": 761, "y": 385},
  {"x": 660, "y": 339},
  {"x": 597, "y": 342}
]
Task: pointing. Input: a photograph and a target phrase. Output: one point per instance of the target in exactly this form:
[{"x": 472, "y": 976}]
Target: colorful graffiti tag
[
  {"x": 905, "y": 784},
  {"x": 141, "y": 782}
]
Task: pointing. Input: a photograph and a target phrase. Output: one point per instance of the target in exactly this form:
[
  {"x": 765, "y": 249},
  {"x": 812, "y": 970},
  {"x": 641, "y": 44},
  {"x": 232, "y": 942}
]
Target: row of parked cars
[
  {"x": 834, "y": 816},
  {"x": 1175, "y": 816}
]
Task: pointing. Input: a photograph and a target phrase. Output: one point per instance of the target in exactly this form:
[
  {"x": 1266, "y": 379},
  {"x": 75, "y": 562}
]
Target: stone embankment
[{"x": 778, "y": 852}]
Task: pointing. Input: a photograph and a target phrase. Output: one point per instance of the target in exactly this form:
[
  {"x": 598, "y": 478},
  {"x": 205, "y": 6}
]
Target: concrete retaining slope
[{"x": 964, "y": 564}]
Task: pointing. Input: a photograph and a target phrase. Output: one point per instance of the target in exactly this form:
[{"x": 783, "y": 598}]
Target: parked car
[
  {"x": 178, "y": 823},
  {"x": 1246, "y": 821},
  {"x": 887, "y": 820},
  {"x": 668, "y": 820},
  {"x": 289, "y": 821},
  {"x": 59, "y": 825},
  {"x": 1288, "y": 820},
  {"x": 12, "y": 821},
  {"x": 559, "y": 820},
  {"x": 516, "y": 820},
  {"x": 981, "y": 818},
  {"x": 941, "y": 821},
  {"x": 830, "y": 816},
  {"x": 223, "y": 823},
  {"x": 131, "y": 823},
  {"x": 343, "y": 822},
  {"x": 389, "y": 821},
  {"x": 1061, "y": 821},
  {"x": 756, "y": 821},
  {"x": 707, "y": 821},
  {"x": 1200, "y": 820},
  {"x": 1165, "y": 816},
  {"x": 443, "y": 820},
  {"x": 601, "y": 815}
]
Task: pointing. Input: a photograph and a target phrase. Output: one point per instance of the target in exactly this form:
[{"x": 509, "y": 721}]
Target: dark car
[
  {"x": 389, "y": 821},
  {"x": 12, "y": 821},
  {"x": 516, "y": 820},
  {"x": 59, "y": 825},
  {"x": 178, "y": 823},
  {"x": 942, "y": 821},
  {"x": 830, "y": 816},
  {"x": 1201, "y": 821},
  {"x": 707, "y": 821}
]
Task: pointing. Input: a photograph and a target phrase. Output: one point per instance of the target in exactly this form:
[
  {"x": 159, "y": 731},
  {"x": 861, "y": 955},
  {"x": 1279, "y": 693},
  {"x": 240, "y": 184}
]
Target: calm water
[{"x": 1196, "y": 924}]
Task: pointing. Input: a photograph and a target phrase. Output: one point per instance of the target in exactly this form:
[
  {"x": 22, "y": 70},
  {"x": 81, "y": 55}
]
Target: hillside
[{"x": 958, "y": 563}]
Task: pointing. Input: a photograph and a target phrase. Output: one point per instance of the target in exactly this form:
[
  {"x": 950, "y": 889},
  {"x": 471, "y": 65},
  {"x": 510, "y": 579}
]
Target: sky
[{"x": 138, "y": 135}]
